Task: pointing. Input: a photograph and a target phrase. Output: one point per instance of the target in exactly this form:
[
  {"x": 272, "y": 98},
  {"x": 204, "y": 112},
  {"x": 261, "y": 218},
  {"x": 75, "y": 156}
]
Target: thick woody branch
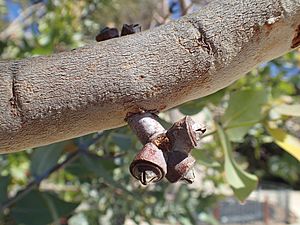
[{"x": 48, "y": 99}]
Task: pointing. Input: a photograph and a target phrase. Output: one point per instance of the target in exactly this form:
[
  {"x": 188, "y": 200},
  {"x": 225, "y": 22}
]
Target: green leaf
[
  {"x": 45, "y": 50},
  {"x": 203, "y": 159},
  {"x": 102, "y": 168},
  {"x": 286, "y": 141},
  {"x": 43, "y": 158},
  {"x": 285, "y": 87},
  {"x": 243, "y": 111},
  {"x": 208, "y": 218},
  {"x": 86, "y": 139},
  {"x": 288, "y": 110},
  {"x": 78, "y": 169},
  {"x": 4, "y": 181},
  {"x": 241, "y": 182},
  {"x": 41, "y": 208},
  {"x": 285, "y": 166},
  {"x": 195, "y": 106},
  {"x": 122, "y": 140}
]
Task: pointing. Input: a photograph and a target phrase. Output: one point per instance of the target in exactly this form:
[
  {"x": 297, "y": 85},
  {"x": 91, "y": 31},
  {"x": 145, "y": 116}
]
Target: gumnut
[
  {"x": 107, "y": 33},
  {"x": 149, "y": 164},
  {"x": 130, "y": 29},
  {"x": 180, "y": 167},
  {"x": 185, "y": 134}
]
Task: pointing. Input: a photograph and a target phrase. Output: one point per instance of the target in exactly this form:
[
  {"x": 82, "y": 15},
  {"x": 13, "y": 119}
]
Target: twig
[
  {"x": 245, "y": 124},
  {"x": 35, "y": 183},
  {"x": 82, "y": 148}
]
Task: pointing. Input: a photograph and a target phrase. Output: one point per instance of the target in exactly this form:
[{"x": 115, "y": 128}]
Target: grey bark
[{"x": 48, "y": 99}]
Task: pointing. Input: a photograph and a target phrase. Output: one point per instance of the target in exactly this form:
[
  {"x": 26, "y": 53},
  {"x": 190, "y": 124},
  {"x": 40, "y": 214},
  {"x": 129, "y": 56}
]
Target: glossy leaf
[
  {"x": 241, "y": 182},
  {"x": 286, "y": 167},
  {"x": 203, "y": 159},
  {"x": 41, "y": 208},
  {"x": 243, "y": 111},
  {"x": 193, "y": 107},
  {"x": 286, "y": 141},
  {"x": 102, "y": 168},
  {"x": 122, "y": 140},
  {"x": 4, "y": 181},
  {"x": 288, "y": 110},
  {"x": 43, "y": 158},
  {"x": 78, "y": 169}
]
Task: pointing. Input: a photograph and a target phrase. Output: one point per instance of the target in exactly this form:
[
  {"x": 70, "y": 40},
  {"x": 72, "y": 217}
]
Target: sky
[{"x": 13, "y": 10}]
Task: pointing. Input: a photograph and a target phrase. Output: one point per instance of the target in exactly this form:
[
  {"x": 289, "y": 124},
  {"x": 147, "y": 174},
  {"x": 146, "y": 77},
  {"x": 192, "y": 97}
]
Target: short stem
[
  {"x": 234, "y": 126},
  {"x": 145, "y": 126}
]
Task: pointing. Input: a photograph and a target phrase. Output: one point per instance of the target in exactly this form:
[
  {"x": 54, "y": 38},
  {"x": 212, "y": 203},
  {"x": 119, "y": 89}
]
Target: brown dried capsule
[
  {"x": 185, "y": 134},
  {"x": 180, "y": 167},
  {"x": 130, "y": 29},
  {"x": 149, "y": 164},
  {"x": 189, "y": 177},
  {"x": 107, "y": 33}
]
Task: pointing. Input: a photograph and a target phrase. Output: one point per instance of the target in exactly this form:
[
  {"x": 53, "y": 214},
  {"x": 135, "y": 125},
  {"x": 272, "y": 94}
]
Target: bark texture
[{"x": 48, "y": 99}]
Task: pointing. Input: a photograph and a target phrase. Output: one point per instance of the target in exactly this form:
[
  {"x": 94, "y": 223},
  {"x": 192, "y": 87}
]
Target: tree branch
[{"x": 48, "y": 99}]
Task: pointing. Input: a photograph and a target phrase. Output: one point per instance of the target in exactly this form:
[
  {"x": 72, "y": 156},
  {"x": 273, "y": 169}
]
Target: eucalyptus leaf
[
  {"x": 43, "y": 158},
  {"x": 241, "y": 182},
  {"x": 195, "y": 106},
  {"x": 102, "y": 168},
  {"x": 122, "y": 140},
  {"x": 286, "y": 141},
  {"x": 41, "y": 208},
  {"x": 288, "y": 110},
  {"x": 243, "y": 111},
  {"x": 4, "y": 181},
  {"x": 78, "y": 169},
  {"x": 203, "y": 159}
]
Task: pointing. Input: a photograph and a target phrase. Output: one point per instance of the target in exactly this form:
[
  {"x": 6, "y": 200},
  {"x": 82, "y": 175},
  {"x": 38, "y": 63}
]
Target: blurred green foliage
[{"x": 96, "y": 187}]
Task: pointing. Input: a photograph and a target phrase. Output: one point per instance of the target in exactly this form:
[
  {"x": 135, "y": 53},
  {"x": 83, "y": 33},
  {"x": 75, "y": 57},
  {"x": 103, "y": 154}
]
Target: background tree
[{"x": 258, "y": 116}]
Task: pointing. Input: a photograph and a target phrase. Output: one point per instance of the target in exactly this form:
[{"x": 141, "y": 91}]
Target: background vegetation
[{"x": 253, "y": 124}]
